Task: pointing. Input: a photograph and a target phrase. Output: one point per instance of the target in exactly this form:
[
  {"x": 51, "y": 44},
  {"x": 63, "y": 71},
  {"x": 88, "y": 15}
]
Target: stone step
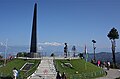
[{"x": 45, "y": 70}]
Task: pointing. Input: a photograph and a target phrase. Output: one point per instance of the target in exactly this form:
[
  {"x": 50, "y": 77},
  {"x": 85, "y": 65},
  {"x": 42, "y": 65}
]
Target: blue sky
[{"x": 76, "y": 22}]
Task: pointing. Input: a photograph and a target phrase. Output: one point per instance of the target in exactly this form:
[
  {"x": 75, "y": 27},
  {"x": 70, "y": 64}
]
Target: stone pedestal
[{"x": 35, "y": 55}]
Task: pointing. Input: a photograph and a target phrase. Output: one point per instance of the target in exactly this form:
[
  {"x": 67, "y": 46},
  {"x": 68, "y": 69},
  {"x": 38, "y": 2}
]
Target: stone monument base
[{"x": 35, "y": 55}]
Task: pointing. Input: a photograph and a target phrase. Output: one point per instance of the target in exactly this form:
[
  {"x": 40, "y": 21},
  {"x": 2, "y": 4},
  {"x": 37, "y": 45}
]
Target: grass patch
[
  {"x": 79, "y": 69},
  {"x": 18, "y": 63},
  {"x": 1, "y": 62}
]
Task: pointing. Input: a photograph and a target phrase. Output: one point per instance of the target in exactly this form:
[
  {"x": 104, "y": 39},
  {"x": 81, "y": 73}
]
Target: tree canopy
[
  {"x": 93, "y": 41},
  {"x": 113, "y": 34}
]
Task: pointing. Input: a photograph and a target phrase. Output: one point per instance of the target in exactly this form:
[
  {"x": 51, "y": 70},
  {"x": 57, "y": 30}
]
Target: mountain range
[
  {"x": 105, "y": 56},
  {"x": 57, "y": 48}
]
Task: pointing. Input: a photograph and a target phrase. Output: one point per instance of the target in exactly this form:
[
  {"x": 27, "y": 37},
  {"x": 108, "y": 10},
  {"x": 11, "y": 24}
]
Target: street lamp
[{"x": 94, "y": 48}]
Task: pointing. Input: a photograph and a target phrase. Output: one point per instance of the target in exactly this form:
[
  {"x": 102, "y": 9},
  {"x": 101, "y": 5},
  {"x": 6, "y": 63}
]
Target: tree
[
  {"x": 52, "y": 55},
  {"x": 112, "y": 35},
  {"x": 81, "y": 55},
  {"x": 94, "y": 48},
  {"x": 22, "y": 54},
  {"x": 74, "y": 50}
]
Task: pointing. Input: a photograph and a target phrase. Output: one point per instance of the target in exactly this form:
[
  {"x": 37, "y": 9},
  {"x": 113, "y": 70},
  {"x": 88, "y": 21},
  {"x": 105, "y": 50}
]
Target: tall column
[{"x": 33, "y": 46}]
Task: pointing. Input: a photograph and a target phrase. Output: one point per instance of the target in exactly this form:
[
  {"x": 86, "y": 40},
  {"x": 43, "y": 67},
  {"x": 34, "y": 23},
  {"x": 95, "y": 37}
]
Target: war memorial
[{"x": 36, "y": 67}]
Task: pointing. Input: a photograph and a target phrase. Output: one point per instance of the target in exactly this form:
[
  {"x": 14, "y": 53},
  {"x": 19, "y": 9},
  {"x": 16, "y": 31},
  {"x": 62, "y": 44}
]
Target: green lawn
[
  {"x": 1, "y": 62},
  {"x": 18, "y": 63},
  {"x": 85, "y": 70}
]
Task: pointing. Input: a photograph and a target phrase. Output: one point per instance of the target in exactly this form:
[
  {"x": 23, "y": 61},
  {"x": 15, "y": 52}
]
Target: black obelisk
[{"x": 33, "y": 46}]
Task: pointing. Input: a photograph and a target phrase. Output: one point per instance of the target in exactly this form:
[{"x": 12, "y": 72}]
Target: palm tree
[
  {"x": 94, "y": 48},
  {"x": 112, "y": 35}
]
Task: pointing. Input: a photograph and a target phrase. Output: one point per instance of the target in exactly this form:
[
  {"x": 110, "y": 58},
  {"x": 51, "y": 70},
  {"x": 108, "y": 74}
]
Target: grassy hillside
[
  {"x": 80, "y": 69},
  {"x": 18, "y": 63}
]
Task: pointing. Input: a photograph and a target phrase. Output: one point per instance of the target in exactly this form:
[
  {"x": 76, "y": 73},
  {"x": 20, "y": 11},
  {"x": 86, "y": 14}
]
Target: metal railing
[{"x": 88, "y": 75}]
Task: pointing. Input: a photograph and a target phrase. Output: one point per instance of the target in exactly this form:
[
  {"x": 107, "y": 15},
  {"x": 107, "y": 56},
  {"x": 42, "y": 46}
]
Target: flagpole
[
  {"x": 86, "y": 62},
  {"x": 85, "y": 65},
  {"x": 5, "y": 51}
]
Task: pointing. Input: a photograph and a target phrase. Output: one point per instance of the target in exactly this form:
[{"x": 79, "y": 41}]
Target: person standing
[
  {"x": 15, "y": 73},
  {"x": 98, "y": 62},
  {"x": 104, "y": 64},
  {"x": 108, "y": 65},
  {"x": 65, "y": 50}
]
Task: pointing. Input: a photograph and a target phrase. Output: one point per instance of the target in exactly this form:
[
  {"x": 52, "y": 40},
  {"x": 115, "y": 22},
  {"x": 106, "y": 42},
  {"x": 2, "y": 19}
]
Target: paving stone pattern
[{"x": 45, "y": 70}]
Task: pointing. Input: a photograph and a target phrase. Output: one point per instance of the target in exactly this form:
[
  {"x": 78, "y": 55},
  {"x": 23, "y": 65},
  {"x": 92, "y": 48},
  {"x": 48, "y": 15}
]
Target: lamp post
[{"x": 94, "y": 48}]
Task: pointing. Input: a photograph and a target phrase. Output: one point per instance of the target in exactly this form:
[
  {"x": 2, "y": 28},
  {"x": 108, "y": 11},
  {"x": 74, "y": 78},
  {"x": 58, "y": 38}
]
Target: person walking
[
  {"x": 98, "y": 62},
  {"x": 58, "y": 75},
  {"x": 64, "y": 76},
  {"x": 15, "y": 73}
]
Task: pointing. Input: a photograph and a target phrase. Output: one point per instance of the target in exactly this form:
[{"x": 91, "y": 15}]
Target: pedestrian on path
[
  {"x": 108, "y": 65},
  {"x": 58, "y": 75},
  {"x": 98, "y": 63},
  {"x": 64, "y": 76},
  {"x": 104, "y": 64},
  {"x": 15, "y": 73}
]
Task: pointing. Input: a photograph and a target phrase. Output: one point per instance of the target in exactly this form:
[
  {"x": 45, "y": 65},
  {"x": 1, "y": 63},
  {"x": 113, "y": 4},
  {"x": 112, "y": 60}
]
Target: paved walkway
[
  {"x": 45, "y": 70},
  {"x": 111, "y": 74}
]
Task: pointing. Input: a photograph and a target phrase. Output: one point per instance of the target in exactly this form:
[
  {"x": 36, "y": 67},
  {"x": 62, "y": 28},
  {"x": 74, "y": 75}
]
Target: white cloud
[
  {"x": 51, "y": 44},
  {"x": 40, "y": 48},
  {"x": 1, "y": 44}
]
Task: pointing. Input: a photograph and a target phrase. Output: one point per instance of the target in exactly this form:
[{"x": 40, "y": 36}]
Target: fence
[{"x": 88, "y": 75}]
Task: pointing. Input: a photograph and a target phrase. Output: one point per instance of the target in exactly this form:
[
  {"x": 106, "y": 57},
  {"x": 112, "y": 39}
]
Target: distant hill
[
  {"x": 57, "y": 49},
  {"x": 12, "y": 50},
  {"x": 105, "y": 56}
]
